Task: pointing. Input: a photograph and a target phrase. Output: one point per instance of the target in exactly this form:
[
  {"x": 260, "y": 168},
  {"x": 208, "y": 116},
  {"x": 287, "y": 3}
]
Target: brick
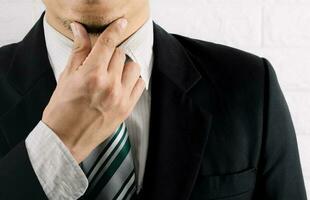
[
  {"x": 281, "y": 2},
  {"x": 276, "y": 29},
  {"x": 299, "y": 104},
  {"x": 292, "y": 66},
  {"x": 228, "y": 24},
  {"x": 38, "y": 8},
  {"x": 14, "y": 23},
  {"x": 286, "y": 26}
]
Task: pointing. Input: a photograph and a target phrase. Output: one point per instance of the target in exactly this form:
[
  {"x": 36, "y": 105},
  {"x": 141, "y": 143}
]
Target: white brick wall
[{"x": 276, "y": 29}]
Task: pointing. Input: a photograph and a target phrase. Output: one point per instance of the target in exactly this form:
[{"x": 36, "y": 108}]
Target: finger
[
  {"x": 137, "y": 90},
  {"x": 130, "y": 75},
  {"x": 81, "y": 46},
  {"x": 106, "y": 43},
  {"x": 117, "y": 63}
]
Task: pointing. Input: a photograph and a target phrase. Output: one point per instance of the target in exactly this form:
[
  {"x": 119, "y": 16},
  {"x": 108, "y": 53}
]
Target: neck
[{"x": 135, "y": 21}]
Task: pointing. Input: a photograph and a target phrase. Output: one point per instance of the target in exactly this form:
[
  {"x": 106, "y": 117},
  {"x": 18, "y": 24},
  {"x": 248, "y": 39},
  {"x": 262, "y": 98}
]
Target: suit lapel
[
  {"x": 178, "y": 127},
  {"x": 31, "y": 75}
]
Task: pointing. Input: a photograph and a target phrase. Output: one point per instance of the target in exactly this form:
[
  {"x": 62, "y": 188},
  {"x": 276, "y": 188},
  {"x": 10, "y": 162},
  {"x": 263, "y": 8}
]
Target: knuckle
[
  {"x": 120, "y": 53},
  {"x": 95, "y": 81},
  {"x": 81, "y": 47},
  {"x": 107, "y": 41},
  {"x": 116, "y": 84},
  {"x": 113, "y": 94}
]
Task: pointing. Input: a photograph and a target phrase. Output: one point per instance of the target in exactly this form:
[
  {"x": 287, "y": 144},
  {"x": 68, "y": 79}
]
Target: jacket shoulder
[
  {"x": 236, "y": 78},
  {"x": 232, "y": 69},
  {"x": 226, "y": 59}
]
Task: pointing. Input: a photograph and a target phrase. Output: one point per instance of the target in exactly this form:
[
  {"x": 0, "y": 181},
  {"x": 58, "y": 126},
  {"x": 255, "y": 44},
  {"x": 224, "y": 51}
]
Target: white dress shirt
[{"x": 59, "y": 174}]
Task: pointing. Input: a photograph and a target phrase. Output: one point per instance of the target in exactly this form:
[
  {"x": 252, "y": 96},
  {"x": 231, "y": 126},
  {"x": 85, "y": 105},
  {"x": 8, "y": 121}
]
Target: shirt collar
[{"x": 139, "y": 47}]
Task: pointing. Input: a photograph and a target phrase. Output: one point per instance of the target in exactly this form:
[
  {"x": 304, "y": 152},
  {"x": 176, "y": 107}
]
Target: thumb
[{"x": 81, "y": 46}]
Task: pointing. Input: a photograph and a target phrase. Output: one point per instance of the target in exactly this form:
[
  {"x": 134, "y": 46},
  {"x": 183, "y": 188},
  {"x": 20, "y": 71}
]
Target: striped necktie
[{"x": 111, "y": 175}]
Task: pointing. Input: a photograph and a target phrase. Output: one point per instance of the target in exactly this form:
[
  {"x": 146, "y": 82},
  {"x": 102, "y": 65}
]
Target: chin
[{"x": 96, "y": 16}]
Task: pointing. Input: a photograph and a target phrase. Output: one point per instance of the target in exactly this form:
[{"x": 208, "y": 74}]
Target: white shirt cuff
[{"x": 58, "y": 172}]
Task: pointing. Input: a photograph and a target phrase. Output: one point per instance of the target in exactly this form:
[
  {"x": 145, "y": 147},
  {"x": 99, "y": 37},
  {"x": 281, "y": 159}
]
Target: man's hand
[{"x": 96, "y": 92}]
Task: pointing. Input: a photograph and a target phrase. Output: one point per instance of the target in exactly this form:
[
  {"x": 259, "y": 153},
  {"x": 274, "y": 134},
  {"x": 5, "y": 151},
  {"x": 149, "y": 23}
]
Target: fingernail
[
  {"x": 74, "y": 30},
  {"x": 122, "y": 23}
]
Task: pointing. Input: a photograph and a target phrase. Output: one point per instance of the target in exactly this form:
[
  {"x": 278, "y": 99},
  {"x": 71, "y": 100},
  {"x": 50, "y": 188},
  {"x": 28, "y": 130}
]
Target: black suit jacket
[{"x": 220, "y": 127}]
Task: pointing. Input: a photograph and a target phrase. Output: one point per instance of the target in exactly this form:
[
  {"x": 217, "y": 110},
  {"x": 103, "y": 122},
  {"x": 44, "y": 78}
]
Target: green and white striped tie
[{"x": 112, "y": 176}]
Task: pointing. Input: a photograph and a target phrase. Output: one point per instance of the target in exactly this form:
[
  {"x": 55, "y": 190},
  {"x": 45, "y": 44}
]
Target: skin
[
  {"x": 96, "y": 15},
  {"x": 97, "y": 90}
]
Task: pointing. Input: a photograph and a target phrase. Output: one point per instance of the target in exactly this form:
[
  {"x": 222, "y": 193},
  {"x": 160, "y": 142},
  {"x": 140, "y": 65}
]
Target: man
[{"x": 133, "y": 112}]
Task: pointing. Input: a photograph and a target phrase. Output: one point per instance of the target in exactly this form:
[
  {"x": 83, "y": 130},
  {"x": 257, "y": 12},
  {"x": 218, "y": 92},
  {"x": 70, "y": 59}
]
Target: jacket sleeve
[
  {"x": 17, "y": 177},
  {"x": 279, "y": 171}
]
